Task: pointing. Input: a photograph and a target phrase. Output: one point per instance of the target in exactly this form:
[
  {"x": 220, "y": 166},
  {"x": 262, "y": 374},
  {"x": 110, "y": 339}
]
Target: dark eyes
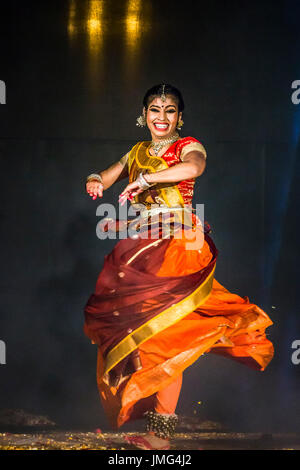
[{"x": 168, "y": 110}]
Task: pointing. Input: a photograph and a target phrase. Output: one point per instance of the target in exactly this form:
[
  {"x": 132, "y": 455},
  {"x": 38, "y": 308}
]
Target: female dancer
[{"x": 157, "y": 306}]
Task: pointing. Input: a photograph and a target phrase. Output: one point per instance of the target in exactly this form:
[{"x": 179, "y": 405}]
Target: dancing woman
[{"x": 157, "y": 307}]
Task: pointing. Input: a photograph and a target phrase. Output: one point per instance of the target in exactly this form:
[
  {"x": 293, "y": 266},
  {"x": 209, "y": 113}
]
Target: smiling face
[{"x": 162, "y": 117}]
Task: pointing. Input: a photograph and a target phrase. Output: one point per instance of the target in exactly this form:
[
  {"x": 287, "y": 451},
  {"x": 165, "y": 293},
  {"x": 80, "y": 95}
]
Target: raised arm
[
  {"x": 192, "y": 166},
  {"x": 112, "y": 174},
  {"x": 115, "y": 172}
]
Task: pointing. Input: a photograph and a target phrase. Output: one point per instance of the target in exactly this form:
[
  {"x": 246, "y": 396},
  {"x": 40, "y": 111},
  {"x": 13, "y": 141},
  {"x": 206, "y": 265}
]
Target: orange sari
[{"x": 157, "y": 307}]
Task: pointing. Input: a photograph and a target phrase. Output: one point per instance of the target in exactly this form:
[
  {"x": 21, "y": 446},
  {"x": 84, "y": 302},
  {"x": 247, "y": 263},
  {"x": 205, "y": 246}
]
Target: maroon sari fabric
[{"x": 124, "y": 293}]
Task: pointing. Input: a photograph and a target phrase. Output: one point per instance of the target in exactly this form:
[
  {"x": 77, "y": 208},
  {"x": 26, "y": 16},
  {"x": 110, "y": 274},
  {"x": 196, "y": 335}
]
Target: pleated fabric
[{"x": 225, "y": 323}]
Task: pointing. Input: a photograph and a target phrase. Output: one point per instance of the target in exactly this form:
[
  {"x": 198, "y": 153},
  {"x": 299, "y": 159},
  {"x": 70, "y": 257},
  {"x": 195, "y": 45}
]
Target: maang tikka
[{"x": 163, "y": 96}]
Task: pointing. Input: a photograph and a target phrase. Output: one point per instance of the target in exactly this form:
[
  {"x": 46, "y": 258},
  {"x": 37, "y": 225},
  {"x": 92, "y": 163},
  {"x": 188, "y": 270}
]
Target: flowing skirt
[{"x": 158, "y": 304}]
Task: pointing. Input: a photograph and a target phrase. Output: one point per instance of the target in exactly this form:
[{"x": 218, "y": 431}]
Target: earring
[
  {"x": 180, "y": 124},
  {"x": 141, "y": 121}
]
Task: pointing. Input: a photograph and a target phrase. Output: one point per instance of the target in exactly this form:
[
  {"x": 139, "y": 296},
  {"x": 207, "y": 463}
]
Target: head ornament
[{"x": 163, "y": 96}]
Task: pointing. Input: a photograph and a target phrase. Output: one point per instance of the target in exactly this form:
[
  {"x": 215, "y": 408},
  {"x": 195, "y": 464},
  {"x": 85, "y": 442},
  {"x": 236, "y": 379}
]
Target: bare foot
[
  {"x": 155, "y": 441},
  {"x": 148, "y": 441}
]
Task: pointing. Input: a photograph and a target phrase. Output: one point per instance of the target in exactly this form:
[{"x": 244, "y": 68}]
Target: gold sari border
[{"x": 159, "y": 323}]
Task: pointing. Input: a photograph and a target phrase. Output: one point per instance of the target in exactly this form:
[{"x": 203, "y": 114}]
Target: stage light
[
  {"x": 133, "y": 22},
  {"x": 94, "y": 24}
]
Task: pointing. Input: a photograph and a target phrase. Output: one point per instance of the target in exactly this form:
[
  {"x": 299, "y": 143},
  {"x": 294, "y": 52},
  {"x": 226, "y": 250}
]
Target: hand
[
  {"x": 94, "y": 188},
  {"x": 131, "y": 190}
]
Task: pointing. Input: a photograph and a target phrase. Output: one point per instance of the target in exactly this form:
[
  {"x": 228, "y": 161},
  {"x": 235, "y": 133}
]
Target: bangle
[
  {"x": 94, "y": 176},
  {"x": 142, "y": 182}
]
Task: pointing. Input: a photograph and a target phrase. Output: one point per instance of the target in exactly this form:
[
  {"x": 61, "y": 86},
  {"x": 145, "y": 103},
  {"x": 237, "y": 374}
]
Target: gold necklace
[{"x": 157, "y": 146}]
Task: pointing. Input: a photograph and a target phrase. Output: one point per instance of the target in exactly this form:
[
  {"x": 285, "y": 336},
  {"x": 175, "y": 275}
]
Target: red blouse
[{"x": 175, "y": 154}]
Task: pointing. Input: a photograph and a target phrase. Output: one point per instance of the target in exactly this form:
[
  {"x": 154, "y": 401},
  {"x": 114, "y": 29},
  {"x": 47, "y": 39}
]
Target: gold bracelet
[{"x": 94, "y": 176}]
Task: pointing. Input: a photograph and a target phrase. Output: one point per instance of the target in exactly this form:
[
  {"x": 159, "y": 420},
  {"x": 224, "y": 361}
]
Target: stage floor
[{"x": 68, "y": 440}]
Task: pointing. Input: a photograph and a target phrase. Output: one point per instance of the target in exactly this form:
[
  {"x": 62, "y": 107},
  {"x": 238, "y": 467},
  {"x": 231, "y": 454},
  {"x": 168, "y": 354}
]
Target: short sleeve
[
  {"x": 193, "y": 146},
  {"x": 124, "y": 159}
]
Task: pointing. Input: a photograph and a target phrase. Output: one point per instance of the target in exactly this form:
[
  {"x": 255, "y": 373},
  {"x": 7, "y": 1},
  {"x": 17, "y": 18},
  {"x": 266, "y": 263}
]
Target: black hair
[{"x": 157, "y": 90}]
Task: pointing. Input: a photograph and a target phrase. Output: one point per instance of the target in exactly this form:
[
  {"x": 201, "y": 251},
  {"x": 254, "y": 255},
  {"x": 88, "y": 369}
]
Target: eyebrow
[{"x": 157, "y": 106}]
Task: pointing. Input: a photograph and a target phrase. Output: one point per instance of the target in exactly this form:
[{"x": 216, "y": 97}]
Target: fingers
[
  {"x": 129, "y": 192},
  {"x": 94, "y": 189},
  {"x": 124, "y": 196}
]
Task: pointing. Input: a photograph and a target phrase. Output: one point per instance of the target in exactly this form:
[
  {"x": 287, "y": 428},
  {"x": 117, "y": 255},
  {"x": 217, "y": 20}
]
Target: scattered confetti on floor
[{"x": 96, "y": 440}]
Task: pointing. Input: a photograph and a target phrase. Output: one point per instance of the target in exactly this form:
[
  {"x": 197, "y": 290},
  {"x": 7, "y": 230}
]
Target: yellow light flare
[
  {"x": 133, "y": 22},
  {"x": 71, "y": 18},
  {"x": 94, "y": 24}
]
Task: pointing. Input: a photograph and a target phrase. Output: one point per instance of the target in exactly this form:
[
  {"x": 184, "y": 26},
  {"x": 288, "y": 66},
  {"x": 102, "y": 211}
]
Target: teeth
[{"x": 161, "y": 126}]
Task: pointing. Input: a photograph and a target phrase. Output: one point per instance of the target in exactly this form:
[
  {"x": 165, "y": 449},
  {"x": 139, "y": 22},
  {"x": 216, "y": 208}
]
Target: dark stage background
[{"x": 75, "y": 74}]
